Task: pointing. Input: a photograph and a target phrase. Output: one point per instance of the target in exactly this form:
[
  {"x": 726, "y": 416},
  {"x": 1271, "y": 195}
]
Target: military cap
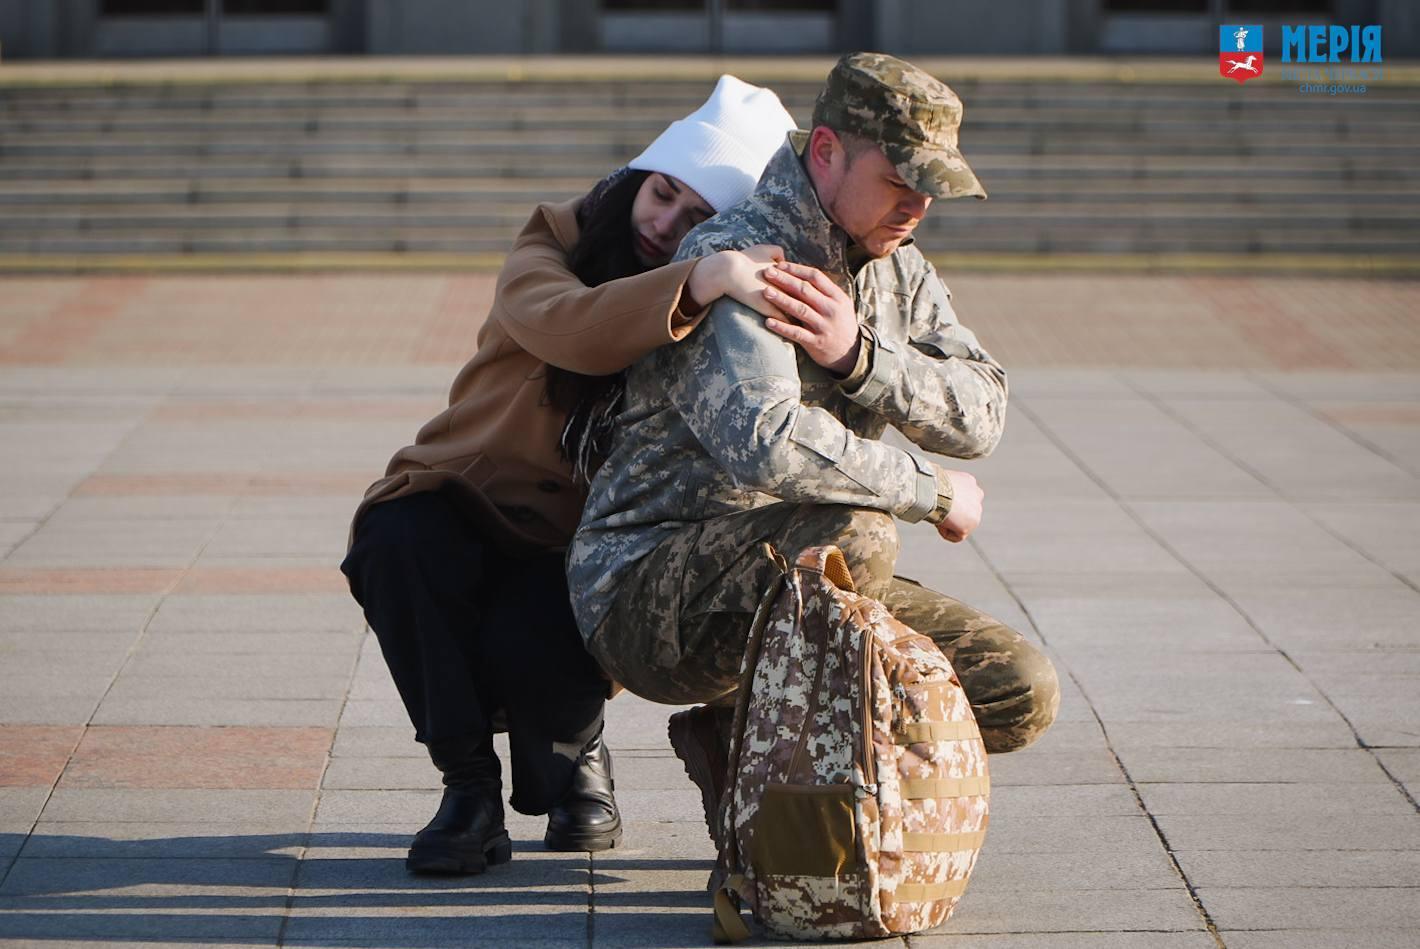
[{"x": 913, "y": 116}]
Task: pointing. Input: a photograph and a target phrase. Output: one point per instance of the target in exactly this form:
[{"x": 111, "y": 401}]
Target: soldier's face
[
  {"x": 872, "y": 203},
  {"x": 664, "y": 211}
]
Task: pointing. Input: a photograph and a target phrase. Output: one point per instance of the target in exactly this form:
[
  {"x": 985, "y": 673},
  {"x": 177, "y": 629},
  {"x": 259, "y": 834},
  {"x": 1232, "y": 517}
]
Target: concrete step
[
  {"x": 1359, "y": 165},
  {"x": 1177, "y": 215},
  {"x": 363, "y": 192},
  {"x": 418, "y": 94},
  {"x": 1066, "y": 239},
  {"x": 455, "y": 167},
  {"x": 1402, "y": 120},
  {"x": 617, "y": 146}
]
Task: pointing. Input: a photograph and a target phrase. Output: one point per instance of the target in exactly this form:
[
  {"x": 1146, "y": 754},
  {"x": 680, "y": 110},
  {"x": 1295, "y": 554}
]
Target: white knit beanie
[{"x": 721, "y": 148}]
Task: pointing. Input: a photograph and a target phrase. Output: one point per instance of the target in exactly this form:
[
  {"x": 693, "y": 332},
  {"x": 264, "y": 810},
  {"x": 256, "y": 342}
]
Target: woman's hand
[
  {"x": 737, "y": 274},
  {"x": 820, "y": 316}
]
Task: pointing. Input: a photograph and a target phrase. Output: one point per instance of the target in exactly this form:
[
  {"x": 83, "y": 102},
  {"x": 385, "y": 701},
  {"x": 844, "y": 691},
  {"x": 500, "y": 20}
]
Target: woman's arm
[{"x": 600, "y": 330}]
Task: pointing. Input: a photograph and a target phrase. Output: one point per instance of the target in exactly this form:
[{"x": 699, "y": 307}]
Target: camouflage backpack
[{"x": 857, "y": 795}]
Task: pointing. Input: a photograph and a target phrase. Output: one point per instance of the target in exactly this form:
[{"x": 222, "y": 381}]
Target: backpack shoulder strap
[{"x": 729, "y": 927}]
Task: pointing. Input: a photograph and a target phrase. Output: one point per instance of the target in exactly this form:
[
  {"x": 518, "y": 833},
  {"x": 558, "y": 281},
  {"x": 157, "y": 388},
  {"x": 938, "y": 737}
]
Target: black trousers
[{"x": 467, "y": 631}]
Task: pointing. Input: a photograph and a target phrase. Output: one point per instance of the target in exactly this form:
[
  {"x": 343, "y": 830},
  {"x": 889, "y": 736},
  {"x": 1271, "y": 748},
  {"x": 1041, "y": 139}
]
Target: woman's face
[{"x": 664, "y": 211}]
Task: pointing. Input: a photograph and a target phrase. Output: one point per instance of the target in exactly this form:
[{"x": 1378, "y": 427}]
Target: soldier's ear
[{"x": 825, "y": 149}]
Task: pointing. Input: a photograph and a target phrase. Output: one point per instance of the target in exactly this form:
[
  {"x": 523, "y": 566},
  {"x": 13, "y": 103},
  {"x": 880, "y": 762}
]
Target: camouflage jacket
[{"x": 735, "y": 417}]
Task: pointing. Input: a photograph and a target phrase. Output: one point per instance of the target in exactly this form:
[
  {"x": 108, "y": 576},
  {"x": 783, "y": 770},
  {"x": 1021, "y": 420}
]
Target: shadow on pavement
[{"x": 332, "y": 888}]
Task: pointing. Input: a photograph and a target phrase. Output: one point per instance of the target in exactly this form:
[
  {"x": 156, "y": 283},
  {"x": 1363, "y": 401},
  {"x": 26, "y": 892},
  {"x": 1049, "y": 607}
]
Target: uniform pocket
[{"x": 821, "y": 433}]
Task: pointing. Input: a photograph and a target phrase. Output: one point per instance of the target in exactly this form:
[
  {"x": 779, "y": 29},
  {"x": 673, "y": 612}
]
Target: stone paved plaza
[{"x": 1206, "y": 507}]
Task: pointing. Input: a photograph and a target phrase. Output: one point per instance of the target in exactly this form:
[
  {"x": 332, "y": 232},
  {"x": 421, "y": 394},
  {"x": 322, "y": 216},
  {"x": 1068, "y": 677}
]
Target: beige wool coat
[{"x": 494, "y": 450}]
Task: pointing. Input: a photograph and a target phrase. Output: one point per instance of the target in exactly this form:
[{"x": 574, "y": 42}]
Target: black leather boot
[
  {"x": 467, "y": 833},
  {"x": 587, "y": 818}
]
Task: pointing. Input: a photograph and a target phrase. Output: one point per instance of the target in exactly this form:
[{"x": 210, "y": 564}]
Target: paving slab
[
  {"x": 194, "y": 710},
  {"x": 1230, "y": 734},
  {"x": 387, "y": 712},
  {"x": 1404, "y": 764},
  {"x": 13, "y": 835},
  {"x": 270, "y": 613},
  {"x": 1154, "y": 939},
  {"x": 13, "y": 532},
  {"x": 1270, "y": 831},
  {"x": 203, "y": 682},
  {"x": 378, "y": 741},
  {"x": 1268, "y": 766},
  {"x": 1352, "y": 938},
  {"x": 1300, "y": 454},
  {"x": 1140, "y": 451},
  {"x": 1089, "y": 618},
  {"x": 996, "y": 870},
  {"x": 1043, "y": 767},
  {"x": 1037, "y": 466},
  {"x": 49, "y": 709},
  {"x": 178, "y": 805},
  {"x": 367, "y": 773},
  {"x": 1291, "y": 868},
  {"x": 183, "y": 643},
  {"x": 1026, "y": 911},
  {"x": 1233, "y": 542},
  {"x": 1030, "y": 536},
  {"x": 1080, "y": 800},
  {"x": 1378, "y": 528},
  {"x": 1337, "y": 908},
  {"x": 62, "y": 883},
  {"x": 110, "y": 613},
  {"x": 195, "y": 757},
  {"x": 1079, "y": 834},
  {"x": 205, "y": 840},
  {"x": 28, "y": 925},
  {"x": 127, "y": 543},
  {"x": 1333, "y": 617}
]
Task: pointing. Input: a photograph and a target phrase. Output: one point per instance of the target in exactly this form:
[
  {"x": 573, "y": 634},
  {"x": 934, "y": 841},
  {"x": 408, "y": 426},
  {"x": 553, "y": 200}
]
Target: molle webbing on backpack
[
  {"x": 921, "y": 789},
  {"x": 935, "y": 731}
]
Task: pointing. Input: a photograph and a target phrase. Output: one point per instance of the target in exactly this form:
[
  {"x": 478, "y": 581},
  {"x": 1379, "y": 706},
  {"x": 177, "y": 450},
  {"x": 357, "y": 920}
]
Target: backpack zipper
[{"x": 869, "y": 765}]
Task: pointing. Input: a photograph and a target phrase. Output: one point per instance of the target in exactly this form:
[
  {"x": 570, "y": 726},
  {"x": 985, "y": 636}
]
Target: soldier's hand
[
  {"x": 965, "y": 512},
  {"x": 819, "y": 315}
]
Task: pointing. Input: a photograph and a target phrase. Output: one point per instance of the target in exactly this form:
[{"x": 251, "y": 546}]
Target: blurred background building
[
  {"x": 267, "y": 133},
  {"x": 99, "y": 28}
]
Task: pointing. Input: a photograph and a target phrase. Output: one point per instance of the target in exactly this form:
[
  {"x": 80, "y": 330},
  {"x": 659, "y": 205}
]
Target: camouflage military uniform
[{"x": 734, "y": 437}]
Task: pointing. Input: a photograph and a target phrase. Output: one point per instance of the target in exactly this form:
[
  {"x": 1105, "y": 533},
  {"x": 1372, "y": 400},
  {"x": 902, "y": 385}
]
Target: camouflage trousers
[{"x": 676, "y": 632}]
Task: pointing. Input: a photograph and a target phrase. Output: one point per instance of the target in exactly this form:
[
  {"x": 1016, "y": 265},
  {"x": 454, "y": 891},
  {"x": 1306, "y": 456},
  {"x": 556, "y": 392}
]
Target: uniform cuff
[
  {"x": 926, "y": 502},
  {"x": 859, "y": 373},
  {"x": 877, "y": 375},
  {"x": 944, "y": 499}
]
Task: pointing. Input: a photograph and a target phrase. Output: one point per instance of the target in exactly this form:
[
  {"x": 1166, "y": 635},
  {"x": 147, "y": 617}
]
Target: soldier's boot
[
  {"x": 587, "y": 818},
  {"x": 700, "y": 739},
  {"x": 467, "y": 834}
]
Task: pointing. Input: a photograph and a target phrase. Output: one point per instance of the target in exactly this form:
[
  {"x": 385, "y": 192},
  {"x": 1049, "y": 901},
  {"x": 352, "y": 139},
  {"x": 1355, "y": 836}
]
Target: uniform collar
[{"x": 785, "y": 197}]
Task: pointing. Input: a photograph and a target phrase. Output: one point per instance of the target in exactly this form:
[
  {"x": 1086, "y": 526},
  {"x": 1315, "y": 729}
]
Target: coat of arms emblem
[{"x": 1240, "y": 52}]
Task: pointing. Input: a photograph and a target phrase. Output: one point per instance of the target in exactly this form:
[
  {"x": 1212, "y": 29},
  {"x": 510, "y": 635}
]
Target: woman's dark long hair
[{"x": 605, "y": 251}]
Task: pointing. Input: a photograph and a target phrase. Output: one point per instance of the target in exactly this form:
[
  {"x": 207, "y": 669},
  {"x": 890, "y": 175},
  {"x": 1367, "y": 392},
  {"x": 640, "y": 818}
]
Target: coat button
[{"x": 549, "y": 486}]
